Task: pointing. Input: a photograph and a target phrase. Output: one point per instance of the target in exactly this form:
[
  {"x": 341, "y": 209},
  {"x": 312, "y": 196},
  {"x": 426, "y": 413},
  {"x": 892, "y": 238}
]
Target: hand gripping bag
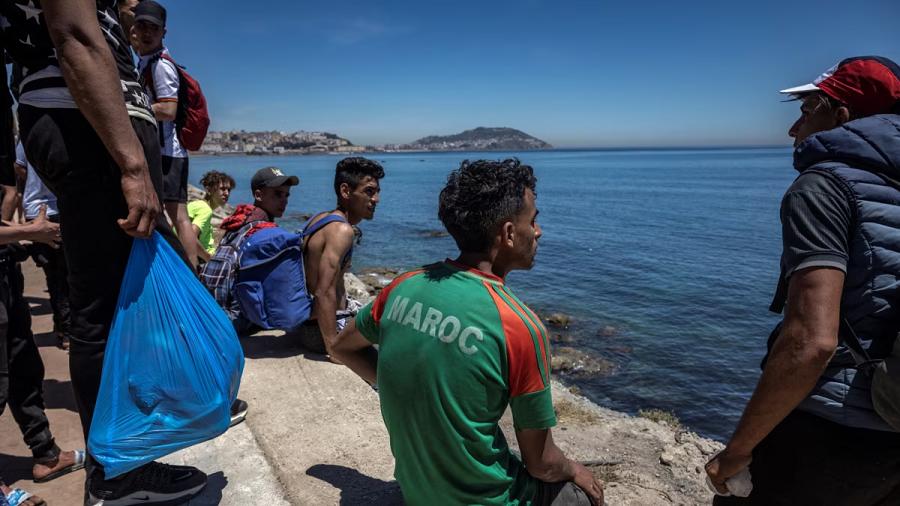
[{"x": 172, "y": 368}]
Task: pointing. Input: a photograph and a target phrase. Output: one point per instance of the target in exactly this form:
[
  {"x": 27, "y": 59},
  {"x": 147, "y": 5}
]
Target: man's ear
[
  {"x": 842, "y": 115},
  {"x": 345, "y": 191},
  {"x": 257, "y": 194},
  {"x": 508, "y": 234}
]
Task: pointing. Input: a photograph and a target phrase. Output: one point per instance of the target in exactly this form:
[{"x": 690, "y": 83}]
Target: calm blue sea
[{"x": 677, "y": 250}]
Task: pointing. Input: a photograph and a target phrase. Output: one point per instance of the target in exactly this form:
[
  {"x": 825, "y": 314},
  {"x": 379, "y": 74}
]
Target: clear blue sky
[{"x": 574, "y": 73}]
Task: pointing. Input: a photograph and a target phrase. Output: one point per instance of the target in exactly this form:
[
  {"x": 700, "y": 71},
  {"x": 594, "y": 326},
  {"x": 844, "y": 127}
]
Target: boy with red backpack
[{"x": 180, "y": 110}]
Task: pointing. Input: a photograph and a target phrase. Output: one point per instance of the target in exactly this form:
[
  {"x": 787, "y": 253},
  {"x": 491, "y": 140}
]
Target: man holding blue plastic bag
[{"x": 87, "y": 127}]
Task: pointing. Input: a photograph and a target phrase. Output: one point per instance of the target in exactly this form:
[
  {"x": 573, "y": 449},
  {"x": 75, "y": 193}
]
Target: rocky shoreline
[{"x": 645, "y": 460}]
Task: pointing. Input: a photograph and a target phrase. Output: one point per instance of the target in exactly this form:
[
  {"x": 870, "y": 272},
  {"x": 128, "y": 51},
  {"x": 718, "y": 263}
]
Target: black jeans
[
  {"x": 21, "y": 367},
  {"x": 53, "y": 262},
  {"x": 73, "y": 162},
  {"x": 808, "y": 460}
]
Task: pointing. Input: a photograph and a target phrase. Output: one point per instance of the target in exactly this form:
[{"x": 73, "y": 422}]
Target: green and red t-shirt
[{"x": 456, "y": 347}]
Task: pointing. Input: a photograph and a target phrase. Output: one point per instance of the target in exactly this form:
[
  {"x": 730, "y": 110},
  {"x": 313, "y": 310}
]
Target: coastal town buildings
[{"x": 276, "y": 142}]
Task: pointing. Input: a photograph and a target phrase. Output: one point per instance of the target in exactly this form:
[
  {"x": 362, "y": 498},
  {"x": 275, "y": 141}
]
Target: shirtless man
[{"x": 328, "y": 248}]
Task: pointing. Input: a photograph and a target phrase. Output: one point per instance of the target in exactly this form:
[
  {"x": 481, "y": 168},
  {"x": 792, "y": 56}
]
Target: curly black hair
[
  {"x": 353, "y": 169},
  {"x": 479, "y": 196},
  {"x": 214, "y": 178}
]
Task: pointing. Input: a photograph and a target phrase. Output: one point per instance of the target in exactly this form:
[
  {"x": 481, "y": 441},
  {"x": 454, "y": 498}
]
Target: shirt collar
[
  {"x": 471, "y": 270},
  {"x": 145, "y": 58}
]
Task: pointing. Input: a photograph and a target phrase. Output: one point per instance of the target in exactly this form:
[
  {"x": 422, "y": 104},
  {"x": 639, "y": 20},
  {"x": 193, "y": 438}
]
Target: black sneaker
[
  {"x": 153, "y": 484},
  {"x": 238, "y": 412}
]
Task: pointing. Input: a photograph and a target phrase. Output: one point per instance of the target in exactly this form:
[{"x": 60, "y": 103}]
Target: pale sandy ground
[{"x": 314, "y": 436}]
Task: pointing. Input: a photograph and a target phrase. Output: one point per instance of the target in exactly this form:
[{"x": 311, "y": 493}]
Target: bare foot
[{"x": 66, "y": 459}]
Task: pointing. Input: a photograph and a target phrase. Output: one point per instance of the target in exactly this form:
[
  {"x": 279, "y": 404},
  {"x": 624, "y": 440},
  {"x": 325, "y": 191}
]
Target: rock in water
[
  {"x": 562, "y": 338},
  {"x": 559, "y": 320},
  {"x": 576, "y": 362},
  {"x": 356, "y": 289}
]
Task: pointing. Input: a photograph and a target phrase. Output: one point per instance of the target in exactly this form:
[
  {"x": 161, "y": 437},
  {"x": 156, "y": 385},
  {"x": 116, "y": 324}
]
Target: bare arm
[
  {"x": 165, "y": 111},
  {"x": 357, "y": 353},
  {"x": 807, "y": 342},
  {"x": 26, "y": 232},
  {"x": 38, "y": 230},
  {"x": 201, "y": 249},
  {"x": 338, "y": 240},
  {"x": 546, "y": 462},
  {"x": 91, "y": 76},
  {"x": 10, "y": 201}
]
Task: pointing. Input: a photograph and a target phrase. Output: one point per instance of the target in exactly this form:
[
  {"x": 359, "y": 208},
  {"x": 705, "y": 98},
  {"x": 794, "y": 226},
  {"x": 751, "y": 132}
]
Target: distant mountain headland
[
  {"x": 480, "y": 139},
  {"x": 302, "y": 142}
]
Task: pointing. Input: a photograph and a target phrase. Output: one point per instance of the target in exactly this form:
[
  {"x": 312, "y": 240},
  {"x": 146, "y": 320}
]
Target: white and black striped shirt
[{"x": 37, "y": 78}]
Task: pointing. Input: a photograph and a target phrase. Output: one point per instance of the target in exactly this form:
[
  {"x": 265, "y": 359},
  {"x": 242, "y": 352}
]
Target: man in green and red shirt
[{"x": 456, "y": 347}]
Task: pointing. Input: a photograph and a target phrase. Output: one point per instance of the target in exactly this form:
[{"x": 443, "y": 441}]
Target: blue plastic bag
[{"x": 172, "y": 368}]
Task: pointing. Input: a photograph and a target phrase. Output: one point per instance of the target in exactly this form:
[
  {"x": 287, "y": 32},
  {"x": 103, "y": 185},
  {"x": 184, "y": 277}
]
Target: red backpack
[{"x": 192, "y": 117}]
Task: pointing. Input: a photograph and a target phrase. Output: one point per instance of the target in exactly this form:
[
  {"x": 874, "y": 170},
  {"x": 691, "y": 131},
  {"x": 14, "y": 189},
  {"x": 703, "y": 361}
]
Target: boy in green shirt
[
  {"x": 218, "y": 186},
  {"x": 456, "y": 347}
]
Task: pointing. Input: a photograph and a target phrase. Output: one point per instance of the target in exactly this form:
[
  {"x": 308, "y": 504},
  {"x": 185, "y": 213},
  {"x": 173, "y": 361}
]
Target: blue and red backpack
[
  {"x": 270, "y": 286},
  {"x": 192, "y": 116}
]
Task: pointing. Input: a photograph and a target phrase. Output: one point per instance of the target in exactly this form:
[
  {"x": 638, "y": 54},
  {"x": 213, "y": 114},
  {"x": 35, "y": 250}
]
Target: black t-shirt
[
  {"x": 815, "y": 224},
  {"x": 37, "y": 79}
]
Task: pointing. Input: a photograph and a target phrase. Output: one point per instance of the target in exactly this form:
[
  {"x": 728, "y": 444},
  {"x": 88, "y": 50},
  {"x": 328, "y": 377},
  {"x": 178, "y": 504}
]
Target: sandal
[
  {"x": 78, "y": 464},
  {"x": 19, "y": 497}
]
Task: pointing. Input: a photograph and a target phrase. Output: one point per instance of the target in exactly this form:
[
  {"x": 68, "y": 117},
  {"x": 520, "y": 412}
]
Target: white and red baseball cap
[{"x": 866, "y": 84}]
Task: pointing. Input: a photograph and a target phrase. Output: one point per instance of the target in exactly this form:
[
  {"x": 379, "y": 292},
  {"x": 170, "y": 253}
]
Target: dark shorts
[
  {"x": 175, "y": 179},
  {"x": 808, "y": 460},
  {"x": 565, "y": 493}
]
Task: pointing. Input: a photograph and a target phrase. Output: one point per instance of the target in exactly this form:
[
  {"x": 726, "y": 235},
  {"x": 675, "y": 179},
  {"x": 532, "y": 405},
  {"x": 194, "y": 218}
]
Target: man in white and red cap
[{"x": 816, "y": 430}]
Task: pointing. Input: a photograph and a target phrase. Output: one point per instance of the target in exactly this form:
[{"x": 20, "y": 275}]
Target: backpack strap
[
  {"x": 148, "y": 70},
  {"x": 242, "y": 232},
  {"x": 151, "y": 88},
  {"x": 311, "y": 228},
  {"x": 179, "y": 69},
  {"x": 167, "y": 56},
  {"x": 147, "y": 74},
  {"x": 861, "y": 357}
]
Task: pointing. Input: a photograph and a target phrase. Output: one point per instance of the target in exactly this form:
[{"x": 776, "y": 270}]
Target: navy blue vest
[{"x": 869, "y": 300}]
